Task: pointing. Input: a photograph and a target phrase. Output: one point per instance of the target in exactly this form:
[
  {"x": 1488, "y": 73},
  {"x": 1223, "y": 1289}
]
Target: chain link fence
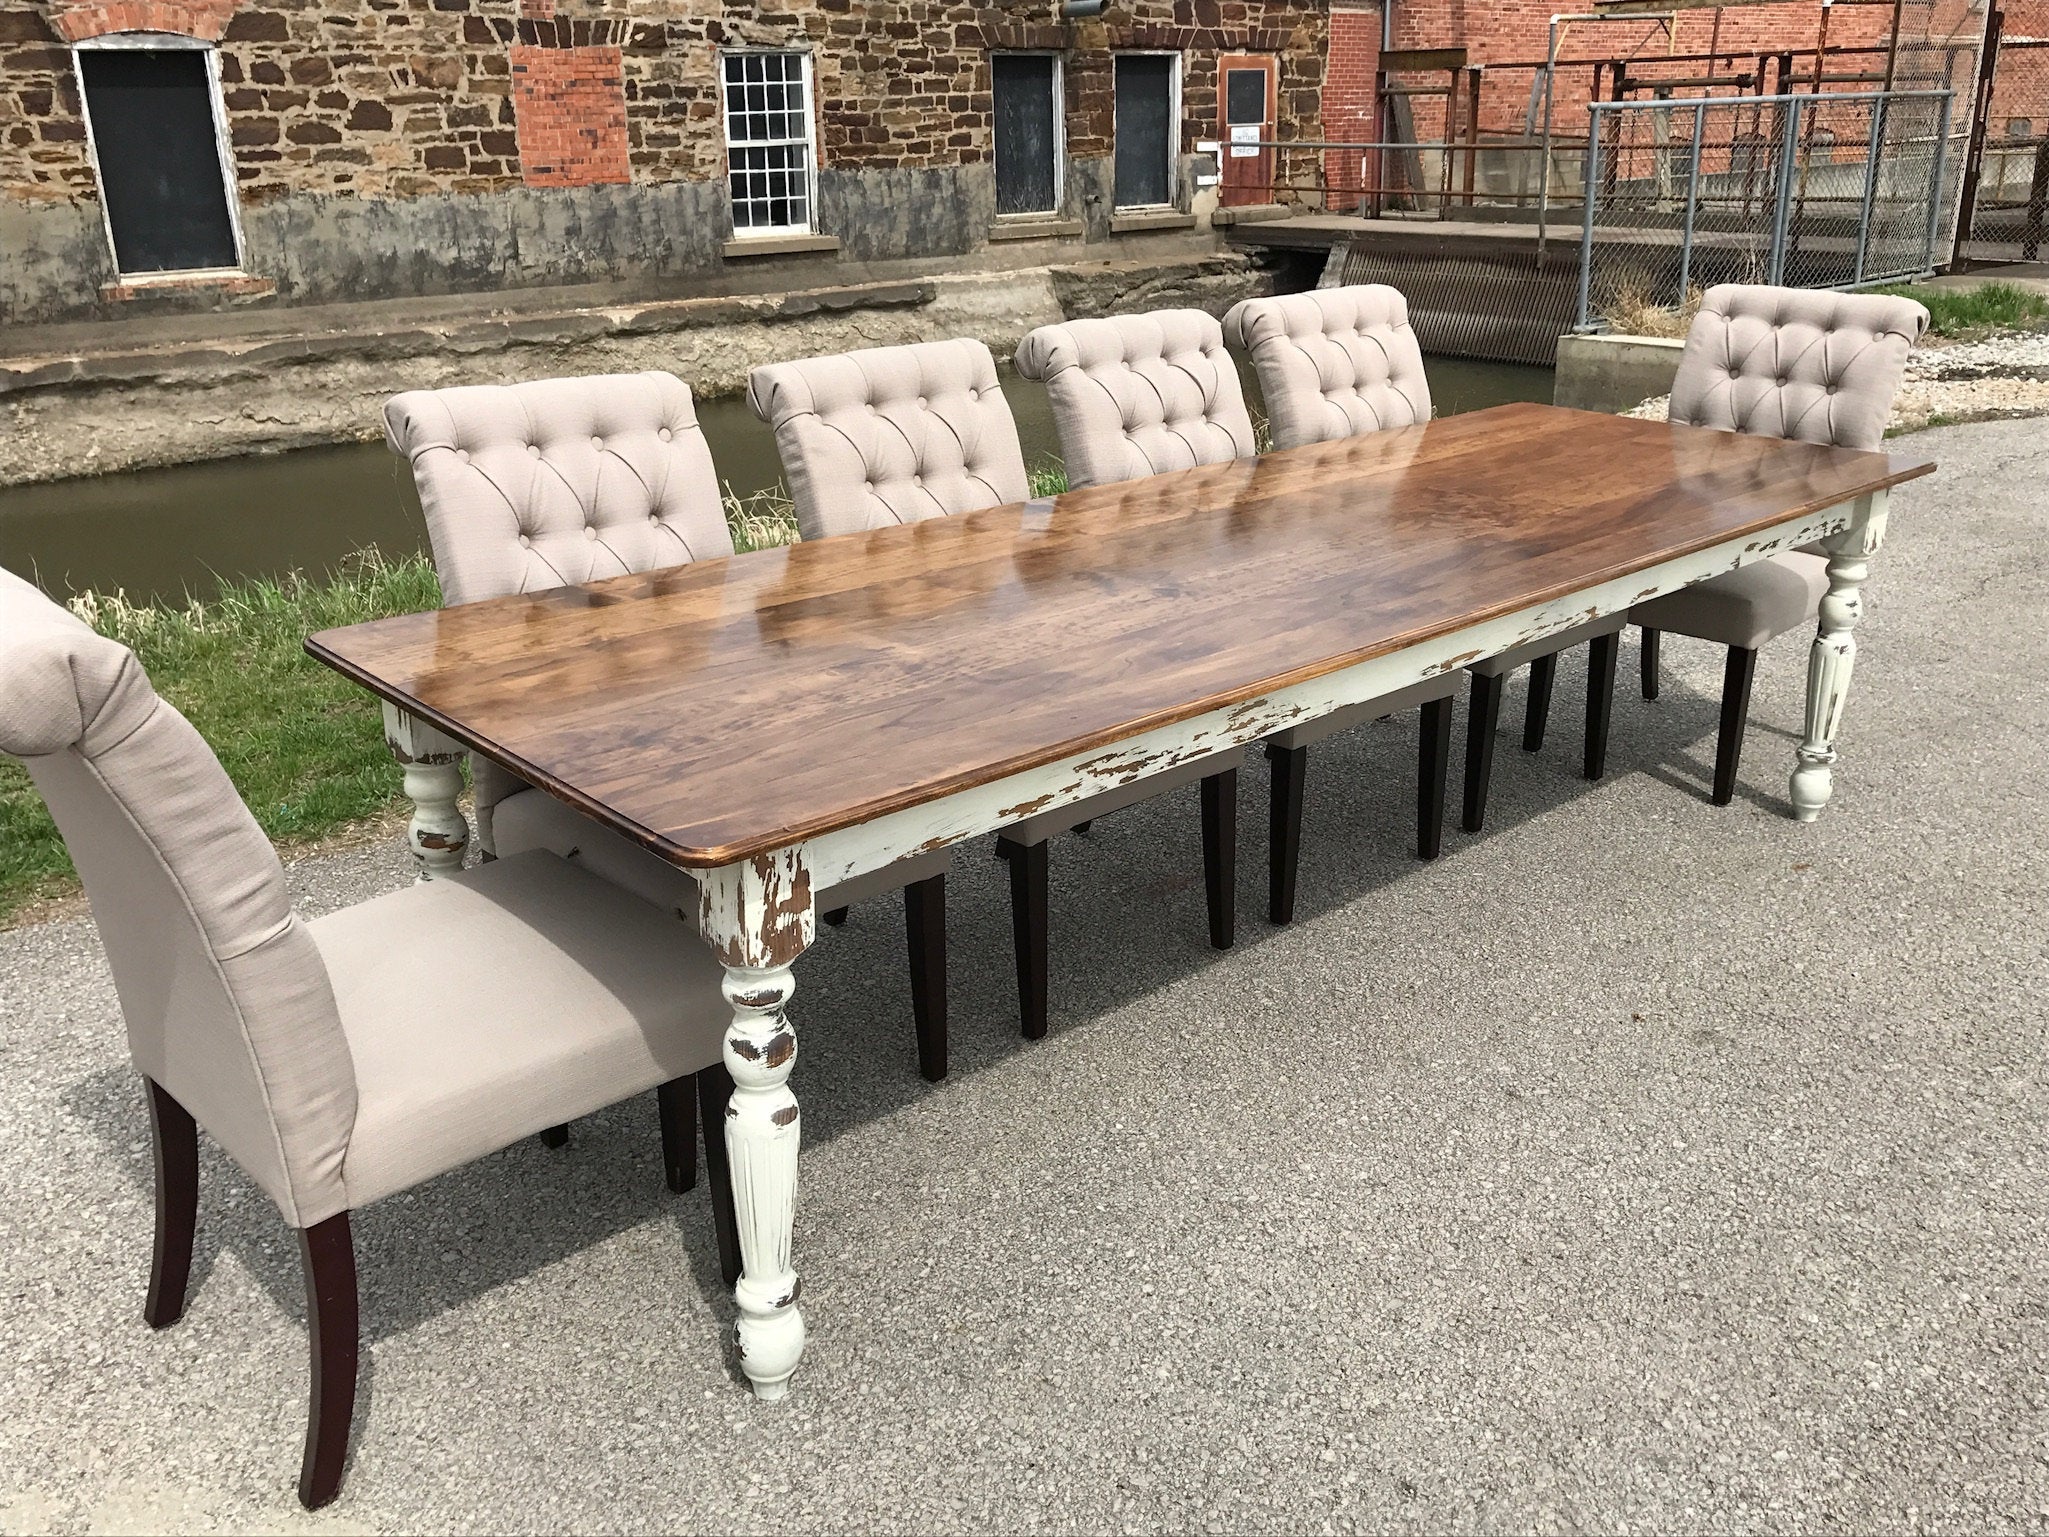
[{"x": 1832, "y": 190}]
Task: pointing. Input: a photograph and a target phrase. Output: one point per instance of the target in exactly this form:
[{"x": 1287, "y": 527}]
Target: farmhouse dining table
[{"x": 778, "y": 722}]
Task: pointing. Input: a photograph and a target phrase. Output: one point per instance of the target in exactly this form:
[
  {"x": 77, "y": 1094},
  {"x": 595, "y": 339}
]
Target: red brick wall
[
  {"x": 570, "y": 106},
  {"x": 1497, "y": 33}
]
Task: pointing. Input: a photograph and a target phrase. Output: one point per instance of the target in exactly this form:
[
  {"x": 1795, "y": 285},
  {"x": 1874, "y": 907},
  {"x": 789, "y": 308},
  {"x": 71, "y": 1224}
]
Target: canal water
[{"x": 159, "y": 535}]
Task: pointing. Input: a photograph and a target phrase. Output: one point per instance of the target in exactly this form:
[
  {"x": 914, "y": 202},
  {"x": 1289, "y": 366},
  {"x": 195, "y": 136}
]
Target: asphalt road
[{"x": 1640, "y": 1165}]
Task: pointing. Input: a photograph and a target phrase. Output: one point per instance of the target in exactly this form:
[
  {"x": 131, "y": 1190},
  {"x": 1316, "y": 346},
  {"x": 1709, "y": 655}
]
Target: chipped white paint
[
  {"x": 758, "y": 915},
  {"x": 758, "y": 918},
  {"x": 838, "y": 856},
  {"x": 437, "y": 835},
  {"x": 1834, "y": 655}
]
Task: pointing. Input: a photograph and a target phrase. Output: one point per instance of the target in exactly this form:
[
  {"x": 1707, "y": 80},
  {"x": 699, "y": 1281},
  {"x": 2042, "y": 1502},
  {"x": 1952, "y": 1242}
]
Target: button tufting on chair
[
  {"x": 900, "y": 422},
  {"x": 1333, "y": 362},
  {"x": 1137, "y": 395}
]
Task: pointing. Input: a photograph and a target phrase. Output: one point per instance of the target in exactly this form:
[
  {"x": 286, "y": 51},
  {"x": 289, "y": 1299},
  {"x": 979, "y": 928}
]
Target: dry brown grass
[{"x": 1631, "y": 310}]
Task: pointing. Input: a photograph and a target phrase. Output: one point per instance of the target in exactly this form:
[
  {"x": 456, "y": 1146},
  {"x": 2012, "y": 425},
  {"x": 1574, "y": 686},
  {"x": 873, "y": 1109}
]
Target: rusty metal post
[{"x": 1981, "y": 124}]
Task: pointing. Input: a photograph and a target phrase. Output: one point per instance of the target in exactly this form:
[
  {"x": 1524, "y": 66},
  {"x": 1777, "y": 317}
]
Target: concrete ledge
[
  {"x": 1140, "y": 223},
  {"x": 1614, "y": 373},
  {"x": 778, "y": 245},
  {"x": 230, "y": 358},
  {"x": 1034, "y": 229},
  {"x": 1256, "y": 213}
]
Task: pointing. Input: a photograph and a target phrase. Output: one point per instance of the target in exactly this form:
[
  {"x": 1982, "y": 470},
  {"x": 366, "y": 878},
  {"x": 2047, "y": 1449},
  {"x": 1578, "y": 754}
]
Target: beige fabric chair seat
[
  {"x": 534, "y": 819},
  {"x": 1051, "y": 824},
  {"x": 1550, "y": 645},
  {"x": 565, "y": 995},
  {"x": 1743, "y": 608},
  {"x": 1309, "y": 733}
]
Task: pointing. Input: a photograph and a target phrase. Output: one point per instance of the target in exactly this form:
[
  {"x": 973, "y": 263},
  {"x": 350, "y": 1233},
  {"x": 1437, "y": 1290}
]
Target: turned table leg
[
  {"x": 758, "y": 918},
  {"x": 1834, "y": 655},
  {"x": 437, "y": 835}
]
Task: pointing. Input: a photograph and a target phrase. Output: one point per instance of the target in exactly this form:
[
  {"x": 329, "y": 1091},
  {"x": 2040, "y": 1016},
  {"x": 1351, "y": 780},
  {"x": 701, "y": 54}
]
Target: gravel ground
[
  {"x": 1999, "y": 377},
  {"x": 1640, "y": 1165}
]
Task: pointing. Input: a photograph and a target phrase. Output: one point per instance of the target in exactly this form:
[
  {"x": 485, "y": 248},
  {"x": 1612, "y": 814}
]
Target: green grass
[
  {"x": 1966, "y": 314},
  {"x": 304, "y": 746}
]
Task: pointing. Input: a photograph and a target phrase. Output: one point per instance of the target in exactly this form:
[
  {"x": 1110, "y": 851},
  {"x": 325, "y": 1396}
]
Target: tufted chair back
[
  {"x": 227, "y": 1000},
  {"x": 891, "y": 435},
  {"x": 1333, "y": 362},
  {"x": 1138, "y": 395},
  {"x": 558, "y": 481},
  {"x": 1796, "y": 363}
]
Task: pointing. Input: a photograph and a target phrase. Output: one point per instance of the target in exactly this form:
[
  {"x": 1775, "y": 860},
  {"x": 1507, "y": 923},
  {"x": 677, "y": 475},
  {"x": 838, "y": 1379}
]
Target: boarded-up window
[
  {"x": 1245, "y": 96},
  {"x": 158, "y": 148},
  {"x": 1145, "y": 129},
  {"x": 1027, "y": 93}
]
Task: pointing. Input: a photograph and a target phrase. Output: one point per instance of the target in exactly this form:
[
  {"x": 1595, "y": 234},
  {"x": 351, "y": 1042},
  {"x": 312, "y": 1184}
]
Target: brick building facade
[
  {"x": 1507, "y": 37},
  {"x": 375, "y": 148}
]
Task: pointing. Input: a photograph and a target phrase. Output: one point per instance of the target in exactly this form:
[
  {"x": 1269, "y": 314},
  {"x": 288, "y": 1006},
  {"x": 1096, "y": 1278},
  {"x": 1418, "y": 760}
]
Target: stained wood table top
[{"x": 726, "y": 708}]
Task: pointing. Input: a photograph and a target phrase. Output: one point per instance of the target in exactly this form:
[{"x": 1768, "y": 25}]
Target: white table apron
[{"x": 758, "y": 915}]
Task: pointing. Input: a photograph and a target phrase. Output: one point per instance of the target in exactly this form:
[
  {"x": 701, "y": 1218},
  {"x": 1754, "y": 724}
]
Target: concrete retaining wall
[
  {"x": 1614, "y": 373},
  {"x": 89, "y": 414}
]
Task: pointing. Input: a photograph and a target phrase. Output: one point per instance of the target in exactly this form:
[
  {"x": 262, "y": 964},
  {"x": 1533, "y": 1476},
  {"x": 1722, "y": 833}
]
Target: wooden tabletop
[{"x": 723, "y": 709}]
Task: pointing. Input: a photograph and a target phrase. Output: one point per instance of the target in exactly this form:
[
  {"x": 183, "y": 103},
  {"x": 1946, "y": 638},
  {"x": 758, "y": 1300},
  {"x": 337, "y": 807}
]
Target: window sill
[
  {"x": 1159, "y": 219},
  {"x": 1256, "y": 213},
  {"x": 234, "y": 285},
  {"x": 778, "y": 245},
  {"x": 1034, "y": 229}
]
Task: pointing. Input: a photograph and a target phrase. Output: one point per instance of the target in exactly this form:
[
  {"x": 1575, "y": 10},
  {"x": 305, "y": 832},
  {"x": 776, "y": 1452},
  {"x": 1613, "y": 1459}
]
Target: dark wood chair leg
[
  {"x": 714, "y": 1088},
  {"x": 1220, "y": 856},
  {"x": 1433, "y": 776},
  {"x": 1736, "y": 675},
  {"x": 1028, "y": 884},
  {"x": 174, "y": 1139},
  {"x": 1284, "y": 829},
  {"x": 837, "y": 917},
  {"x": 1537, "y": 716},
  {"x": 1647, "y": 657},
  {"x": 330, "y": 1263},
  {"x": 1483, "y": 724},
  {"x": 925, "y": 926},
  {"x": 678, "y": 1106},
  {"x": 555, "y": 1136},
  {"x": 1602, "y": 653}
]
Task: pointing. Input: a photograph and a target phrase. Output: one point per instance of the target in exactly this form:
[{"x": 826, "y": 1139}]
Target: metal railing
[
  {"x": 1830, "y": 190},
  {"x": 1377, "y": 178}
]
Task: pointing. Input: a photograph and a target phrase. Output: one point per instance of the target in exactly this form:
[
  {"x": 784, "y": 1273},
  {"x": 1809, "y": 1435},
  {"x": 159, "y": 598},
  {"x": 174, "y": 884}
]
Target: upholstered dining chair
[
  {"x": 558, "y": 481},
  {"x": 1336, "y": 363},
  {"x": 1814, "y": 366},
  {"x": 346, "y": 1059},
  {"x": 894, "y": 435}
]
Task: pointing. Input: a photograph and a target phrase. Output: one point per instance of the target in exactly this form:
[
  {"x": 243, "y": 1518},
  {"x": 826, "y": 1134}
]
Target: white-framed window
[
  {"x": 1030, "y": 131},
  {"x": 158, "y": 140},
  {"x": 1148, "y": 123},
  {"x": 771, "y": 146}
]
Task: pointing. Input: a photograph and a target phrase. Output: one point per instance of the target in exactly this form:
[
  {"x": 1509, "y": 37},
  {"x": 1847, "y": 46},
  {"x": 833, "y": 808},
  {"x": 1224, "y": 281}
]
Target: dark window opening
[
  {"x": 159, "y": 156},
  {"x": 1145, "y": 129},
  {"x": 1027, "y": 132},
  {"x": 1245, "y": 96}
]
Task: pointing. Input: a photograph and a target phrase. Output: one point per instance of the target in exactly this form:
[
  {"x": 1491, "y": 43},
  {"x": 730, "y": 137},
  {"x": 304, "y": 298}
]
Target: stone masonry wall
[{"x": 343, "y": 115}]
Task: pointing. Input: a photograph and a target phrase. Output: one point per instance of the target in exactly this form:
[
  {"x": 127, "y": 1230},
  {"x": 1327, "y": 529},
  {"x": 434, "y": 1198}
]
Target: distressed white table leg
[
  {"x": 758, "y": 919},
  {"x": 1834, "y": 655},
  {"x": 438, "y": 835}
]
